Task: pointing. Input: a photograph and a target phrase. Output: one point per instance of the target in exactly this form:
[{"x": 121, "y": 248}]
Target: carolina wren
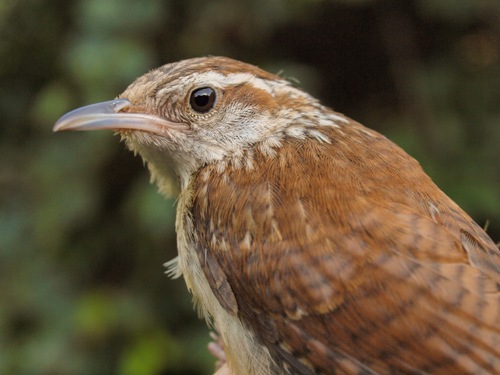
[{"x": 315, "y": 244}]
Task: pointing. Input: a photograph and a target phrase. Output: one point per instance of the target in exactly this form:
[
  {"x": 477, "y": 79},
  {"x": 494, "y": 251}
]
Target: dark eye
[{"x": 202, "y": 100}]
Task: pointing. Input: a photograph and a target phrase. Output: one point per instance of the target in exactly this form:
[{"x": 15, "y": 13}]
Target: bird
[{"x": 314, "y": 244}]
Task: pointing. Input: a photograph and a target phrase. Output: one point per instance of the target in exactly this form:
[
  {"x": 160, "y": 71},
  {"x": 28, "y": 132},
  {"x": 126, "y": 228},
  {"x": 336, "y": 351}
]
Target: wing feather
[{"x": 359, "y": 277}]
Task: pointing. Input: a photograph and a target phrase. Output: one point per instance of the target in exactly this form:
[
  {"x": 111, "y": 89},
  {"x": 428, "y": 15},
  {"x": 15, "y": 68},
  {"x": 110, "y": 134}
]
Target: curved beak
[{"x": 114, "y": 115}]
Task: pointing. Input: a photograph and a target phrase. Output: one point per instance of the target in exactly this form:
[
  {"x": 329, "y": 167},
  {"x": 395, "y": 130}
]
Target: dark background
[{"x": 83, "y": 235}]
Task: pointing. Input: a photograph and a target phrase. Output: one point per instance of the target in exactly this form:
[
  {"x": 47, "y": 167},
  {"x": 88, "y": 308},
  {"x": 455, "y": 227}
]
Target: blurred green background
[{"x": 83, "y": 235}]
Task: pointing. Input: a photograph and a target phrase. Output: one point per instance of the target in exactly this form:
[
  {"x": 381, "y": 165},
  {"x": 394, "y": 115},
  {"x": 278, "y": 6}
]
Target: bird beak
[{"x": 115, "y": 115}]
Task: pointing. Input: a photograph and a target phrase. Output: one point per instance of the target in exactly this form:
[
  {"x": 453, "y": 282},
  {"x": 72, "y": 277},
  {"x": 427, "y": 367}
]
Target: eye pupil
[{"x": 202, "y": 100}]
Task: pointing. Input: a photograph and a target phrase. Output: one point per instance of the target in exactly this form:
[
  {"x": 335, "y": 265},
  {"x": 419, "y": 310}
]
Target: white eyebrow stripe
[
  {"x": 218, "y": 80},
  {"x": 232, "y": 79}
]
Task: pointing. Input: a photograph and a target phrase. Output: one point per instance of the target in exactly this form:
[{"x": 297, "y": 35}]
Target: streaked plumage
[{"x": 315, "y": 244}]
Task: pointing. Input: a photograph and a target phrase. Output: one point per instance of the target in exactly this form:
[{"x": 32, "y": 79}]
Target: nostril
[{"x": 120, "y": 104}]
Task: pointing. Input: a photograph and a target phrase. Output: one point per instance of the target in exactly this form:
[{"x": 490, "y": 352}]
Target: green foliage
[{"x": 83, "y": 235}]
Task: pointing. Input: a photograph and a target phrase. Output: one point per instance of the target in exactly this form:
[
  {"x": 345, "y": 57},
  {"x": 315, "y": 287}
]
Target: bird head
[{"x": 195, "y": 112}]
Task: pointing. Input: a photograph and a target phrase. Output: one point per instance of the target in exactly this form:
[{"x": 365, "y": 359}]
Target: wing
[{"x": 377, "y": 271}]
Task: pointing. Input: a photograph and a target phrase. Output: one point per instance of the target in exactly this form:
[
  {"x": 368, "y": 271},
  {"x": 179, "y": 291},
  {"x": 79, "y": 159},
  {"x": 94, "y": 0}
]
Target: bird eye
[{"x": 202, "y": 100}]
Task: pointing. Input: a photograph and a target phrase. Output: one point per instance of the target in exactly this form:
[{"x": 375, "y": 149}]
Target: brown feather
[{"x": 345, "y": 270}]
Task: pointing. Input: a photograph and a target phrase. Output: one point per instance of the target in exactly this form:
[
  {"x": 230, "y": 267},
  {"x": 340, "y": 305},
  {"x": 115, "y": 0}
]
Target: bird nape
[{"x": 313, "y": 243}]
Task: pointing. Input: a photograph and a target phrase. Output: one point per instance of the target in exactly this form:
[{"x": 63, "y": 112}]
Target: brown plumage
[{"x": 315, "y": 244}]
